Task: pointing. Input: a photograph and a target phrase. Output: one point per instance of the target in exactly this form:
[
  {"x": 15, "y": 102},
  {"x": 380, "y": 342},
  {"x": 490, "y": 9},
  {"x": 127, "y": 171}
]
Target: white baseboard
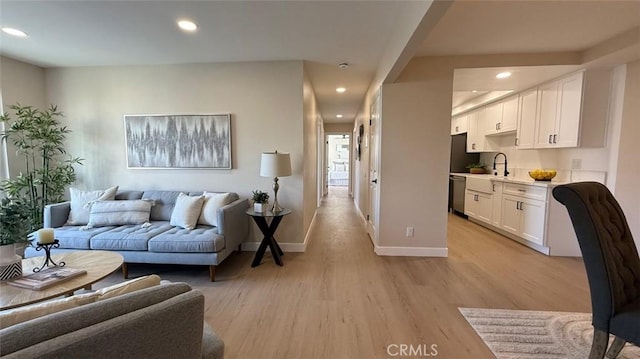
[
  {"x": 286, "y": 247},
  {"x": 411, "y": 251}
]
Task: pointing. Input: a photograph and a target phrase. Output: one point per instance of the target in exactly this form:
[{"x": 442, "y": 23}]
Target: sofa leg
[
  {"x": 212, "y": 273},
  {"x": 125, "y": 270}
]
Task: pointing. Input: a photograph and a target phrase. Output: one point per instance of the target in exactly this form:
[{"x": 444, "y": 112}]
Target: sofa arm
[
  {"x": 233, "y": 222},
  {"x": 56, "y": 215}
]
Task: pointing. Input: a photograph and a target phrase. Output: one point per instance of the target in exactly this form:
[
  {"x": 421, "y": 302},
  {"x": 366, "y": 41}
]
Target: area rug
[{"x": 522, "y": 334}]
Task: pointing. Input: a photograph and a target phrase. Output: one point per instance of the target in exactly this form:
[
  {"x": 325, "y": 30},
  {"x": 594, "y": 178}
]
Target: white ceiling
[{"x": 323, "y": 33}]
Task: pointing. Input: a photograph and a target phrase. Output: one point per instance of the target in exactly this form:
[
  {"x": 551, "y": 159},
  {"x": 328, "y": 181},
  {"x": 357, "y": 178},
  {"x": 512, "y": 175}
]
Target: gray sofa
[
  {"x": 159, "y": 243},
  {"x": 165, "y": 321}
]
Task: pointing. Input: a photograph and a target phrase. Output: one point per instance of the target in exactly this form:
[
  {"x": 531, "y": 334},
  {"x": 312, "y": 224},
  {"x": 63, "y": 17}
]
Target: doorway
[{"x": 338, "y": 164}]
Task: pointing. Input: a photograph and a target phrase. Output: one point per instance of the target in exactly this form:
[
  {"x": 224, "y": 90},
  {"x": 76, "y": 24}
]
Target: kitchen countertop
[{"x": 526, "y": 181}]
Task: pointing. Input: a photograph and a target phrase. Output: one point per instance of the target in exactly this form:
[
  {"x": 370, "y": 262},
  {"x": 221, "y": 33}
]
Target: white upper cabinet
[
  {"x": 502, "y": 116},
  {"x": 479, "y": 121},
  {"x": 571, "y": 112},
  {"x": 560, "y": 107},
  {"x": 527, "y": 112},
  {"x": 547, "y": 114},
  {"x": 459, "y": 124},
  {"x": 509, "y": 115}
]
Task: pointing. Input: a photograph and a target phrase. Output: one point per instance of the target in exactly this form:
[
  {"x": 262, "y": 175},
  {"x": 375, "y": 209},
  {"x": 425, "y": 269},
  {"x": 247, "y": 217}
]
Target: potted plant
[
  {"x": 38, "y": 138},
  {"x": 476, "y": 168},
  {"x": 260, "y": 200},
  {"x": 14, "y": 229}
]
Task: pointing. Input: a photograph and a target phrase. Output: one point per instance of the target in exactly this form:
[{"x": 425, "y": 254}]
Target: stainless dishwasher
[{"x": 458, "y": 184}]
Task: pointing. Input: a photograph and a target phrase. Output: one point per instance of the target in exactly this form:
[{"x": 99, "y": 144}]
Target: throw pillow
[
  {"x": 22, "y": 314},
  {"x": 186, "y": 211},
  {"x": 81, "y": 202},
  {"x": 213, "y": 201},
  {"x": 118, "y": 213},
  {"x": 128, "y": 286}
]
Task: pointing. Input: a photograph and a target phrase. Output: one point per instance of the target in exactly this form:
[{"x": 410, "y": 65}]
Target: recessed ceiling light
[
  {"x": 14, "y": 32},
  {"x": 339, "y": 116},
  {"x": 341, "y": 89},
  {"x": 503, "y": 75},
  {"x": 187, "y": 25},
  {"x": 474, "y": 91}
]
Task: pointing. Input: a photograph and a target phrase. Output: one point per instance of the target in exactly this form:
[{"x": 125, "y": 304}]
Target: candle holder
[{"x": 47, "y": 250}]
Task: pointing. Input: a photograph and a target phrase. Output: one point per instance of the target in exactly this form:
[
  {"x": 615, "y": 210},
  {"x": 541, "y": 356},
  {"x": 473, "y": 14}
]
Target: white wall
[
  {"x": 264, "y": 99},
  {"x": 310, "y": 135},
  {"x": 628, "y": 171},
  {"x": 413, "y": 168},
  {"x": 20, "y": 83}
]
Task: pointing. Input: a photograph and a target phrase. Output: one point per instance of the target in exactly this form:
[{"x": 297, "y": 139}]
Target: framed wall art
[{"x": 178, "y": 141}]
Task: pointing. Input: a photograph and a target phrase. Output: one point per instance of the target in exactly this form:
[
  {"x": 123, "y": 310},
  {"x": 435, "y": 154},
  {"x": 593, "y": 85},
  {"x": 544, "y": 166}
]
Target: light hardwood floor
[{"x": 340, "y": 300}]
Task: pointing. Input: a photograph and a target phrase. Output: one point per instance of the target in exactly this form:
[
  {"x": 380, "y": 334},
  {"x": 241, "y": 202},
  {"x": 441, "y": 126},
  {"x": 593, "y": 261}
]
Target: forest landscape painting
[{"x": 178, "y": 141}]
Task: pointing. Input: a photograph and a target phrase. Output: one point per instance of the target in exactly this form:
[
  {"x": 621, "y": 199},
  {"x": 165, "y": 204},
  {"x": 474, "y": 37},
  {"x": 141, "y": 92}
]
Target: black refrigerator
[{"x": 459, "y": 161}]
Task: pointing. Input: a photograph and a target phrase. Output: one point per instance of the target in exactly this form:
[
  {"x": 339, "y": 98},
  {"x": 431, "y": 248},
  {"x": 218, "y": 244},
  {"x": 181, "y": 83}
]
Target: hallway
[{"x": 340, "y": 300}]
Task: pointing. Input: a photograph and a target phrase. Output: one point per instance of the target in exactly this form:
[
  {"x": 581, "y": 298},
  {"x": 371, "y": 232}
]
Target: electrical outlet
[
  {"x": 576, "y": 164},
  {"x": 409, "y": 231}
]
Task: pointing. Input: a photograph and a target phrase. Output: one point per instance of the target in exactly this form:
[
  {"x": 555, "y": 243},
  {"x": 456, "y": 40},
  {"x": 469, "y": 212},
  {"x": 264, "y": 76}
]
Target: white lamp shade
[{"x": 275, "y": 164}]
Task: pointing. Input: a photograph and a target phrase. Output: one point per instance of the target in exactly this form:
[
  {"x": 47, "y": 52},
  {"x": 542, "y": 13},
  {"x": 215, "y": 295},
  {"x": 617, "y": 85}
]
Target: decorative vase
[
  {"x": 259, "y": 207},
  {"x": 10, "y": 263}
]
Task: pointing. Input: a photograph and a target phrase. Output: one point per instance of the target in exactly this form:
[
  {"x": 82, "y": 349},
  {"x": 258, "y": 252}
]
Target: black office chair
[{"x": 612, "y": 263}]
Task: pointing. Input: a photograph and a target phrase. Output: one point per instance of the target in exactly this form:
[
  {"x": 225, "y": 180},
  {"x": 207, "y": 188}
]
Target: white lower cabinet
[
  {"x": 524, "y": 217},
  {"x": 478, "y": 205},
  {"x": 523, "y": 212},
  {"x": 496, "y": 217}
]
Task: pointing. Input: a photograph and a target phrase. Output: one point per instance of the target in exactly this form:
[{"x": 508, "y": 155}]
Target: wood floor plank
[{"x": 340, "y": 300}]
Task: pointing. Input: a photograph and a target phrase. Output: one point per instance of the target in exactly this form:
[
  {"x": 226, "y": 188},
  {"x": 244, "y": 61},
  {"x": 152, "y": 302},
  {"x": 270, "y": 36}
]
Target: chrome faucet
[{"x": 506, "y": 173}]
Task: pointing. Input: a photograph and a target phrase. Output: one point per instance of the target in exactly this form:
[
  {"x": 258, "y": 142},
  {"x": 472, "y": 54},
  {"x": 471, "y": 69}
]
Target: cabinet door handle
[
  {"x": 517, "y": 204},
  {"x": 555, "y": 137},
  {"x": 493, "y": 187},
  {"x": 499, "y": 125},
  {"x": 456, "y": 128},
  {"x": 550, "y": 138},
  {"x": 473, "y": 146},
  {"x": 516, "y": 141},
  {"x": 496, "y": 127}
]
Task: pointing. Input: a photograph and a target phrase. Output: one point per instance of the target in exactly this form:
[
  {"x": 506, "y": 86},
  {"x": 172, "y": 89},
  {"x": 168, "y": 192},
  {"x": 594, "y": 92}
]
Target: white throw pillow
[
  {"x": 128, "y": 286},
  {"x": 81, "y": 202},
  {"x": 22, "y": 314},
  {"x": 118, "y": 213},
  {"x": 213, "y": 201},
  {"x": 186, "y": 211}
]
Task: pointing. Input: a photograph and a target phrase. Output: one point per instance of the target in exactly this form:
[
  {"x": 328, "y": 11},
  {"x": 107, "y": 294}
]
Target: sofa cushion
[
  {"x": 202, "y": 239},
  {"x": 165, "y": 201},
  {"x": 81, "y": 203},
  {"x": 186, "y": 211},
  {"x": 132, "y": 237},
  {"x": 118, "y": 213},
  {"x": 212, "y": 202},
  {"x": 77, "y": 237}
]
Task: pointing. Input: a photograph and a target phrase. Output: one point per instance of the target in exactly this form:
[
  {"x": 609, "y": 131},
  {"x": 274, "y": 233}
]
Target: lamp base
[{"x": 276, "y": 207}]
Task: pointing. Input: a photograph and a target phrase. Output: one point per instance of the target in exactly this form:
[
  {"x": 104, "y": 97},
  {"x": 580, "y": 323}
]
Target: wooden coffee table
[{"x": 98, "y": 265}]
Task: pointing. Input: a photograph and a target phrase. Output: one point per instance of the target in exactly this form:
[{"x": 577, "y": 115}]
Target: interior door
[{"x": 374, "y": 137}]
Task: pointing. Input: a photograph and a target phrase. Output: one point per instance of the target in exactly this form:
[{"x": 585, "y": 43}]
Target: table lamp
[{"x": 275, "y": 164}]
